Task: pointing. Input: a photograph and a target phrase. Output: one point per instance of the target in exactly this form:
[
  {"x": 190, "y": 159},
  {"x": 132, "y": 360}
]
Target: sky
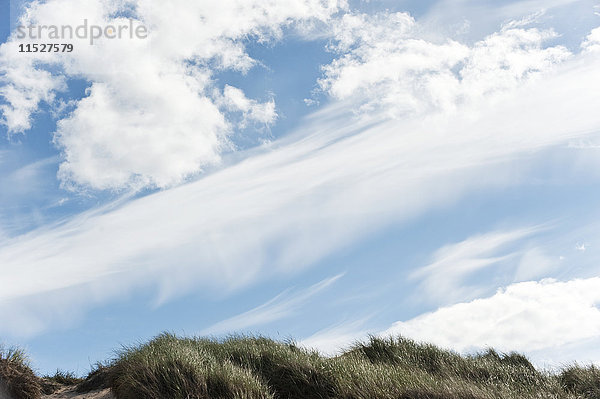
[{"x": 320, "y": 170}]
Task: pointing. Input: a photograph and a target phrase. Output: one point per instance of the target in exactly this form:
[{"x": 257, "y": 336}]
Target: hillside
[{"x": 256, "y": 367}]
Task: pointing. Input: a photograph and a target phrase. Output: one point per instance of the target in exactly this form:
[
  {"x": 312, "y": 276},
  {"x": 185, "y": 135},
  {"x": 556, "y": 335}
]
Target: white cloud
[
  {"x": 281, "y": 208},
  {"x": 28, "y": 192},
  {"x": 524, "y": 22},
  {"x": 290, "y": 204},
  {"x": 153, "y": 117},
  {"x": 482, "y": 16},
  {"x": 283, "y": 305},
  {"x": 112, "y": 140},
  {"x": 524, "y": 317},
  {"x": 386, "y": 62},
  {"x": 584, "y": 145},
  {"x": 150, "y": 116},
  {"x": 444, "y": 279},
  {"x": 524, "y": 7},
  {"x": 536, "y": 264},
  {"x": 235, "y": 100},
  {"x": 23, "y": 88},
  {"x": 592, "y": 42}
]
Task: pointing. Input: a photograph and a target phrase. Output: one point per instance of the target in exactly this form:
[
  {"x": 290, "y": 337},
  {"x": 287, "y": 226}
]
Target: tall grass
[
  {"x": 584, "y": 381},
  {"x": 394, "y": 368},
  {"x": 245, "y": 367},
  {"x": 16, "y": 377},
  {"x": 180, "y": 369},
  {"x": 63, "y": 378}
]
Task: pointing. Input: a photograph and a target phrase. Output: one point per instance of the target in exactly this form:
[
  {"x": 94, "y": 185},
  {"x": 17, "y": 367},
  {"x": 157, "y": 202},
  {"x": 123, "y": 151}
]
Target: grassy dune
[
  {"x": 255, "y": 367},
  {"x": 16, "y": 377}
]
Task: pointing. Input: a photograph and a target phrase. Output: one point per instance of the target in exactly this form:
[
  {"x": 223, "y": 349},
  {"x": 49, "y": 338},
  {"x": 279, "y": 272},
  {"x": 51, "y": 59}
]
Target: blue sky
[{"x": 306, "y": 169}]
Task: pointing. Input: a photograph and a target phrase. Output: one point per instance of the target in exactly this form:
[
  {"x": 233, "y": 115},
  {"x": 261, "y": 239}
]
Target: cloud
[
  {"x": 152, "y": 115},
  {"x": 277, "y": 209},
  {"x": 23, "y": 87},
  {"x": 333, "y": 340},
  {"x": 235, "y": 100},
  {"x": 387, "y": 63},
  {"x": 282, "y": 306},
  {"x": 284, "y": 207},
  {"x": 28, "y": 192},
  {"x": 584, "y": 145},
  {"x": 156, "y": 117},
  {"x": 592, "y": 41},
  {"x": 532, "y": 6},
  {"x": 112, "y": 141},
  {"x": 481, "y": 17},
  {"x": 444, "y": 280},
  {"x": 526, "y": 21},
  {"x": 535, "y": 263},
  {"x": 525, "y": 317}
]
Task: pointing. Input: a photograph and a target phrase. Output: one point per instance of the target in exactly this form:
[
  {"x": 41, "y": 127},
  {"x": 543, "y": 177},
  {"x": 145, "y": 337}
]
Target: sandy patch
[{"x": 70, "y": 393}]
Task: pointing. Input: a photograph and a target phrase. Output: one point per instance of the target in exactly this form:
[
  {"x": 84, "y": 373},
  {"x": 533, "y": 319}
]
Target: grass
[
  {"x": 394, "y": 368},
  {"x": 16, "y": 377},
  {"x": 581, "y": 380},
  {"x": 97, "y": 378},
  {"x": 242, "y": 367},
  {"x": 64, "y": 378},
  {"x": 60, "y": 379}
]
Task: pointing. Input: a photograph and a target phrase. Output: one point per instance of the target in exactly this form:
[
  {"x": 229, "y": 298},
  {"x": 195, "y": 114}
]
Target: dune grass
[
  {"x": 16, "y": 377},
  {"x": 64, "y": 378},
  {"x": 58, "y": 380},
  {"x": 393, "y": 368},
  {"x": 581, "y": 380},
  {"x": 243, "y": 367}
]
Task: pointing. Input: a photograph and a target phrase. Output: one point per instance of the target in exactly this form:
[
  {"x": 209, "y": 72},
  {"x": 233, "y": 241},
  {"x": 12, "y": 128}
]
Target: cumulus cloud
[
  {"x": 592, "y": 42},
  {"x": 151, "y": 115},
  {"x": 24, "y": 87},
  {"x": 235, "y": 100},
  {"x": 387, "y": 62},
  {"x": 116, "y": 139},
  {"x": 526, "y": 317}
]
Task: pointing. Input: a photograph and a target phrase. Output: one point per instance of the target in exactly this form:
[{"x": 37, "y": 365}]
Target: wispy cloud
[
  {"x": 443, "y": 280},
  {"x": 26, "y": 192},
  {"x": 536, "y": 263},
  {"x": 447, "y": 15},
  {"x": 334, "y": 339},
  {"x": 283, "y": 305}
]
